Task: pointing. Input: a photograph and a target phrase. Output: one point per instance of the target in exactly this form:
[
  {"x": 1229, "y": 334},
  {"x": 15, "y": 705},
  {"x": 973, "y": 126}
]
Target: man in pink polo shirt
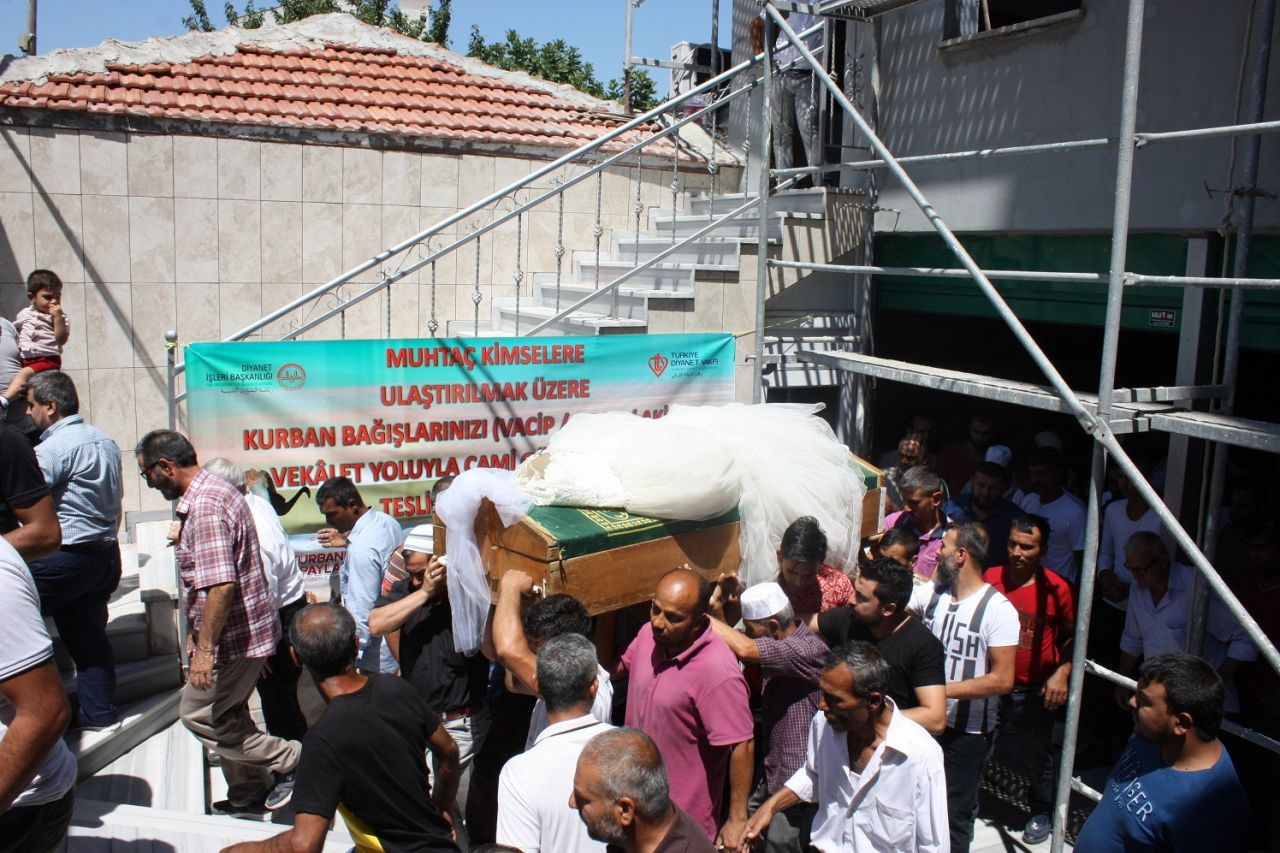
[
  {"x": 686, "y": 691},
  {"x": 922, "y": 515}
]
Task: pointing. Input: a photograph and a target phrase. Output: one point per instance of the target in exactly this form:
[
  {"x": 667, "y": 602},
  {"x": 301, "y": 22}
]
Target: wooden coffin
[{"x": 609, "y": 559}]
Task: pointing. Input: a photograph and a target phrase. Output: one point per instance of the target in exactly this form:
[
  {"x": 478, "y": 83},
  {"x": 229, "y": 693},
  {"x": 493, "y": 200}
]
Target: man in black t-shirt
[
  {"x": 365, "y": 753},
  {"x": 879, "y": 616},
  {"x": 28, "y": 519}
]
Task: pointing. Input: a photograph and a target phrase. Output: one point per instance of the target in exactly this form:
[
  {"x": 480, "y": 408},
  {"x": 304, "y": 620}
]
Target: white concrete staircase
[
  {"x": 802, "y": 225},
  {"x": 142, "y": 630}
]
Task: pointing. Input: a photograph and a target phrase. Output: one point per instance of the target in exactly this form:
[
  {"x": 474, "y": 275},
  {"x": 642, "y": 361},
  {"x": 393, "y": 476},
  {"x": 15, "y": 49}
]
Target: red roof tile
[{"x": 331, "y": 86}]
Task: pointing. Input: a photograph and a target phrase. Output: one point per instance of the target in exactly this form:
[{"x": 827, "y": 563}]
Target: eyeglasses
[
  {"x": 144, "y": 471},
  {"x": 1141, "y": 570}
]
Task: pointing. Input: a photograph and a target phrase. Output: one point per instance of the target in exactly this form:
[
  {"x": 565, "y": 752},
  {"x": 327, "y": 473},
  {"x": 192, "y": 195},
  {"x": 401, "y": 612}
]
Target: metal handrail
[
  {"x": 497, "y": 196},
  {"x": 658, "y": 258}
]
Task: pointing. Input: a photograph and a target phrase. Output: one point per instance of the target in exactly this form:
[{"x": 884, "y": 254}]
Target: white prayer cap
[
  {"x": 1000, "y": 455},
  {"x": 1048, "y": 438},
  {"x": 421, "y": 539},
  {"x": 763, "y": 600}
]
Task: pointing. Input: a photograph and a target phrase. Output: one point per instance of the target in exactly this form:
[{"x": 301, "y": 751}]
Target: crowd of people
[{"x": 822, "y": 710}]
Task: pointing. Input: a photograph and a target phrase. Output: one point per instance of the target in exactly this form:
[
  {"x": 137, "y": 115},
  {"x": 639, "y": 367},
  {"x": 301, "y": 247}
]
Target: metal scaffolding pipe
[
  {"x": 1130, "y": 279},
  {"x": 953, "y": 243},
  {"x": 1141, "y": 140},
  {"x": 762, "y": 251},
  {"x": 1266, "y": 14},
  {"x": 1137, "y": 280},
  {"x": 1106, "y": 386},
  {"x": 936, "y": 272}
]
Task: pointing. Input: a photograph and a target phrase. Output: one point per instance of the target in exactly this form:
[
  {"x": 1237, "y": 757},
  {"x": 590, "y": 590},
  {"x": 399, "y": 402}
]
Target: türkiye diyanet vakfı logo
[
  {"x": 257, "y": 378},
  {"x": 677, "y": 364}
]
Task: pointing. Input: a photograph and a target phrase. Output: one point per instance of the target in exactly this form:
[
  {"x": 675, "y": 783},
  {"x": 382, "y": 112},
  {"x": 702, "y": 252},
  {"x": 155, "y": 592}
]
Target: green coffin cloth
[{"x": 582, "y": 531}]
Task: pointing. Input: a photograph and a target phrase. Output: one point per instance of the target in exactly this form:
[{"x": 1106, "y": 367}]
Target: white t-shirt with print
[{"x": 968, "y": 629}]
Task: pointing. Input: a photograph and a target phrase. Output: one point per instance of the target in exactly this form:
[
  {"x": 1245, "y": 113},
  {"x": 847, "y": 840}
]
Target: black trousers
[
  {"x": 963, "y": 756},
  {"x": 1025, "y": 742},
  {"x": 278, "y": 684},
  {"x": 36, "y": 829}
]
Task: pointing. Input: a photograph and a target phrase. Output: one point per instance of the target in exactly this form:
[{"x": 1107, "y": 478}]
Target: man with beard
[
  {"x": 621, "y": 793},
  {"x": 876, "y": 775},
  {"x": 878, "y": 614},
  {"x": 922, "y": 515},
  {"x": 232, "y": 624},
  {"x": 687, "y": 692},
  {"x": 1046, "y": 610},
  {"x": 979, "y": 631},
  {"x": 985, "y": 503},
  {"x": 811, "y": 585}
]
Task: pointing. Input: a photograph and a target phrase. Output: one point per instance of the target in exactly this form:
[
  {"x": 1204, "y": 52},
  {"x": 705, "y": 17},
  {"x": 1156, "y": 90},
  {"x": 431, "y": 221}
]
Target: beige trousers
[{"x": 219, "y": 718}]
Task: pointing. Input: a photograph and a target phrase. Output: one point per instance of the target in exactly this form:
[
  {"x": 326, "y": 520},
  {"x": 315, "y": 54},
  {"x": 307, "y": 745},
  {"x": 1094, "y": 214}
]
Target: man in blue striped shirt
[{"x": 82, "y": 466}]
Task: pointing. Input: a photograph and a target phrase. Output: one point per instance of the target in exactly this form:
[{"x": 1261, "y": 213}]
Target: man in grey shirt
[{"x": 81, "y": 464}]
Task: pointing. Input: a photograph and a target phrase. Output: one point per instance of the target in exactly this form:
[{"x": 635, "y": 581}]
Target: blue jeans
[{"x": 75, "y": 584}]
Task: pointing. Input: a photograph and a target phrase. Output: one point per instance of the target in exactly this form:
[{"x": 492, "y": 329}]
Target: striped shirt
[
  {"x": 81, "y": 464},
  {"x": 969, "y": 629},
  {"x": 218, "y": 544}
]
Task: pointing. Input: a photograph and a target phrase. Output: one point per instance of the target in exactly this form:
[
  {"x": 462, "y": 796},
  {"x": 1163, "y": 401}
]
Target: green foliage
[
  {"x": 375, "y": 12},
  {"x": 558, "y": 62}
]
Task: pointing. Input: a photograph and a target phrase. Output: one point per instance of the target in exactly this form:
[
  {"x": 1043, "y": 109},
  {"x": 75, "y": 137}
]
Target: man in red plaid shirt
[{"x": 232, "y": 624}]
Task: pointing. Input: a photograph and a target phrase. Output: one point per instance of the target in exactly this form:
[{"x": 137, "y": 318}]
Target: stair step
[
  {"x": 126, "y": 633},
  {"x": 139, "y": 679},
  {"x": 630, "y": 299},
  {"x": 98, "y": 826},
  {"x": 810, "y": 201},
  {"x": 717, "y": 250},
  {"x": 747, "y": 225},
  {"x": 139, "y": 721},
  {"x": 580, "y": 323},
  {"x": 661, "y": 276}
]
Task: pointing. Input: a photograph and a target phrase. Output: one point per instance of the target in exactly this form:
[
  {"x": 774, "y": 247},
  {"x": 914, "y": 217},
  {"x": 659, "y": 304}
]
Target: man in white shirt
[
  {"x": 876, "y": 775},
  {"x": 37, "y": 772},
  {"x": 979, "y": 631},
  {"x": 1066, "y": 513},
  {"x": 516, "y": 638},
  {"x": 1157, "y": 620},
  {"x": 534, "y": 788},
  {"x": 278, "y": 684}
]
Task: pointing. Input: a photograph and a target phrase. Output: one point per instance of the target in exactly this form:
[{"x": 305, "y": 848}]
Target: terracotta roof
[{"x": 328, "y": 73}]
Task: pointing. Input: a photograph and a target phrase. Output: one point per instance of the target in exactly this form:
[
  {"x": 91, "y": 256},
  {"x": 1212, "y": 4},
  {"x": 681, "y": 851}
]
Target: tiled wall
[{"x": 201, "y": 235}]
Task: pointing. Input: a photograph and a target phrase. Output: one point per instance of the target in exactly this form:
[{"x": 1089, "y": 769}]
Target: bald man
[{"x": 686, "y": 691}]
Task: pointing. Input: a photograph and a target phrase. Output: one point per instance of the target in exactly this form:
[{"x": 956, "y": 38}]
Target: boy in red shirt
[{"x": 1046, "y": 611}]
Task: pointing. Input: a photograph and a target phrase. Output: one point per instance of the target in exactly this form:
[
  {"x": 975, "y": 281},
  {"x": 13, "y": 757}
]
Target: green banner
[{"x": 396, "y": 415}]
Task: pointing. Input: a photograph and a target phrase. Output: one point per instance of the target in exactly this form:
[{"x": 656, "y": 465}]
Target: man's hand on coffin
[{"x": 515, "y": 583}]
